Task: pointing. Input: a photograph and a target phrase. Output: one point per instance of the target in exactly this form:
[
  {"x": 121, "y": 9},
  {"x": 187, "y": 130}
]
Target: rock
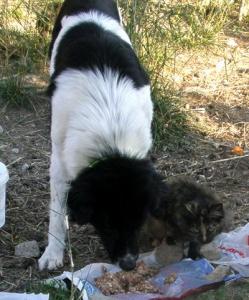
[
  {"x": 25, "y": 167},
  {"x": 27, "y": 249},
  {"x": 210, "y": 251},
  {"x": 202, "y": 178},
  {"x": 177, "y": 78},
  {"x": 15, "y": 150},
  {"x": 220, "y": 65},
  {"x": 225, "y": 82},
  {"x": 1, "y": 129},
  {"x": 231, "y": 43}
]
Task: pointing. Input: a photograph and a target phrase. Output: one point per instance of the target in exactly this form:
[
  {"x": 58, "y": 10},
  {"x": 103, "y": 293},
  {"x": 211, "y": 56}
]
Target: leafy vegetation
[{"x": 159, "y": 30}]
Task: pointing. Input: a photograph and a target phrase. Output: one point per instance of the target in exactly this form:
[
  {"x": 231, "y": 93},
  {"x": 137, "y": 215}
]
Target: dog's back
[{"x": 101, "y": 94}]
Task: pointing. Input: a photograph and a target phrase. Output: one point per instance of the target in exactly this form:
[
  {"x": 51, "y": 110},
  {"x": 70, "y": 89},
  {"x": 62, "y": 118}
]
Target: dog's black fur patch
[
  {"x": 73, "y": 7},
  {"x": 116, "y": 196},
  {"x": 89, "y": 46}
]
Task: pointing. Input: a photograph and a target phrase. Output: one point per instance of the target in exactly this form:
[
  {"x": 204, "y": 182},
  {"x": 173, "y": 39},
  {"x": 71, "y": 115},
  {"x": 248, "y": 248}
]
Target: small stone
[
  {"x": 1, "y": 129},
  {"x": 15, "y": 150},
  {"x": 202, "y": 178},
  {"x": 25, "y": 167},
  {"x": 177, "y": 78},
  {"x": 231, "y": 43},
  {"x": 225, "y": 82},
  {"x": 220, "y": 65},
  {"x": 27, "y": 249}
]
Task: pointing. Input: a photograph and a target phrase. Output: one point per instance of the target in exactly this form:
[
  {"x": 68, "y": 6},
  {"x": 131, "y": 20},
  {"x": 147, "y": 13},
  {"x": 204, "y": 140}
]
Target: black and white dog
[{"x": 101, "y": 132}]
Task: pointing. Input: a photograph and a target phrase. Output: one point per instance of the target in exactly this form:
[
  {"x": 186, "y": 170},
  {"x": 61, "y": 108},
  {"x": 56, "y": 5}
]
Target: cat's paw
[{"x": 51, "y": 259}]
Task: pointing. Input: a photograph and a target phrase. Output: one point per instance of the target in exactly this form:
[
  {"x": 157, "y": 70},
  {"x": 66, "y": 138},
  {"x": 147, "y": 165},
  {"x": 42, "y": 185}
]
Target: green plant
[
  {"x": 14, "y": 89},
  {"x": 170, "y": 121},
  {"x": 55, "y": 292},
  {"x": 161, "y": 29}
]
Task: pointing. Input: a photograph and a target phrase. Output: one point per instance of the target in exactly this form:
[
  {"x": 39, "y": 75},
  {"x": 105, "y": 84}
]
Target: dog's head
[{"x": 116, "y": 195}]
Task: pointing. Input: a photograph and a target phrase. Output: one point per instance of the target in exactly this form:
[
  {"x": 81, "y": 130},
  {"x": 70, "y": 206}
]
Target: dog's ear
[{"x": 80, "y": 207}]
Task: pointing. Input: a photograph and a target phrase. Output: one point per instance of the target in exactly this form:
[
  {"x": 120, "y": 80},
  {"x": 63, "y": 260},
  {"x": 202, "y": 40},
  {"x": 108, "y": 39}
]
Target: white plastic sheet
[
  {"x": 234, "y": 247},
  {"x": 15, "y": 296}
]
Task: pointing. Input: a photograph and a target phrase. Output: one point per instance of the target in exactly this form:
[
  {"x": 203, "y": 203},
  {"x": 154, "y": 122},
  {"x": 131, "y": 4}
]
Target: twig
[
  {"x": 227, "y": 159},
  {"x": 15, "y": 161},
  {"x": 70, "y": 254},
  {"x": 81, "y": 296}
]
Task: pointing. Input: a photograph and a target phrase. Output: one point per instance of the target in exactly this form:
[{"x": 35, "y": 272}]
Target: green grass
[
  {"x": 14, "y": 91},
  {"x": 170, "y": 121},
  {"x": 159, "y": 30},
  {"x": 23, "y": 48},
  {"x": 235, "y": 291}
]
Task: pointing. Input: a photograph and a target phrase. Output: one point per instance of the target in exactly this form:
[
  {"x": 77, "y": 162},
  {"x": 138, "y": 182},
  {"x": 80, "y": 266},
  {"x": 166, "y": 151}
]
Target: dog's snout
[{"x": 128, "y": 262}]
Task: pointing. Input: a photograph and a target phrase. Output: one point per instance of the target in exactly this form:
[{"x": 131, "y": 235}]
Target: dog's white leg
[{"x": 53, "y": 255}]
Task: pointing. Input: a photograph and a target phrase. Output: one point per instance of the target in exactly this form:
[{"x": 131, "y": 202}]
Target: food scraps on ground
[
  {"x": 136, "y": 281},
  {"x": 171, "y": 278}
]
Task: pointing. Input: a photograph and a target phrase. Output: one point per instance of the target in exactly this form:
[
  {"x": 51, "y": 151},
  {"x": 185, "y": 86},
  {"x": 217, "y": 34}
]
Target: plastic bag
[
  {"x": 15, "y": 296},
  {"x": 234, "y": 248},
  {"x": 190, "y": 277}
]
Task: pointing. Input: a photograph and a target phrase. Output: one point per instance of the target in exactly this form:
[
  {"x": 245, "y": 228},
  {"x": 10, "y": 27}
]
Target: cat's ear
[
  {"x": 191, "y": 207},
  {"x": 216, "y": 211}
]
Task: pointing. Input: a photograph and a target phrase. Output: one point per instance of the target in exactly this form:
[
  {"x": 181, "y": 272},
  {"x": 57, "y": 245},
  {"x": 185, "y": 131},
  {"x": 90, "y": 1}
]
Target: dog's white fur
[{"x": 92, "y": 113}]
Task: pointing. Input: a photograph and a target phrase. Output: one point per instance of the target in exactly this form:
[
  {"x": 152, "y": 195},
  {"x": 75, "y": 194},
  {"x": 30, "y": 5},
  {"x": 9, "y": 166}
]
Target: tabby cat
[{"x": 192, "y": 215}]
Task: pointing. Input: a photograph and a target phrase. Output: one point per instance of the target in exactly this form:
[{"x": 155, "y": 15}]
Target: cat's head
[{"x": 192, "y": 212}]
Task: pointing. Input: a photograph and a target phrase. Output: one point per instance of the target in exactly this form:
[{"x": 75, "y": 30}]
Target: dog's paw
[{"x": 51, "y": 259}]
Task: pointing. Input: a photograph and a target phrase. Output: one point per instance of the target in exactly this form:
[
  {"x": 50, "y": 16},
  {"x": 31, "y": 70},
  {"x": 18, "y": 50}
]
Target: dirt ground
[{"x": 216, "y": 96}]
